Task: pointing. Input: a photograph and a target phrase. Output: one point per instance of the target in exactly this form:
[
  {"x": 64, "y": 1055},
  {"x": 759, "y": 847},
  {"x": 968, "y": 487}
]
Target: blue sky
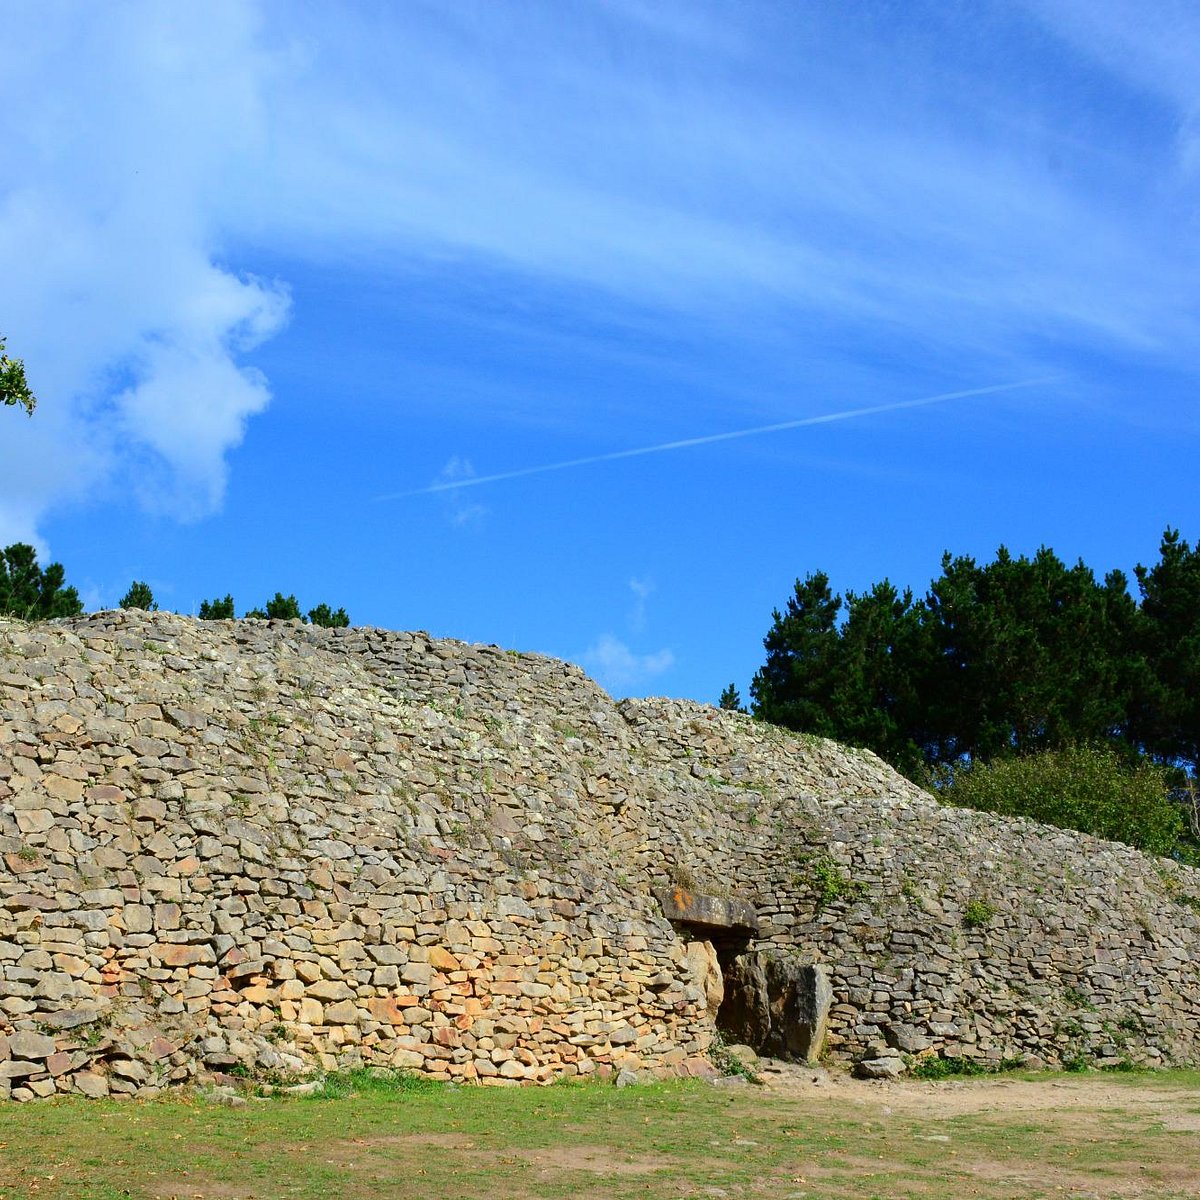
[{"x": 280, "y": 271}]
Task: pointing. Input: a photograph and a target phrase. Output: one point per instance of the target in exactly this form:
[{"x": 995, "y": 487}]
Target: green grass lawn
[{"x": 1100, "y": 1135}]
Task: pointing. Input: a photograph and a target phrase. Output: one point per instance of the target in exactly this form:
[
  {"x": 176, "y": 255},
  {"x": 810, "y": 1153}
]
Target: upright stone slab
[
  {"x": 706, "y": 971},
  {"x": 778, "y": 1006}
]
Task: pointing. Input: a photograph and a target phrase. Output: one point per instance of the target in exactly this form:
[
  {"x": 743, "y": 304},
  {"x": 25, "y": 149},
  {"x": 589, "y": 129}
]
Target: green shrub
[
  {"x": 831, "y": 884},
  {"x": 327, "y": 618},
  {"x": 1092, "y": 789},
  {"x": 978, "y": 913},
  {"x": 139, "y": 596},
  {"x": 217, "y": 610},
  {"x": 725, "y": 1062},
  {"x": 951, "y": 1067}
]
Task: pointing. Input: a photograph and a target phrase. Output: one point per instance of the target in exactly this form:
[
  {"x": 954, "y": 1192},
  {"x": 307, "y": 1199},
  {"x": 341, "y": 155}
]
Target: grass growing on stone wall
[
  {"x": 978, "y": 914},
  {"x": 830, "y": 883},
  {"x": 1094, "y": 1135},
  {"x": 369, "y": 1081}
]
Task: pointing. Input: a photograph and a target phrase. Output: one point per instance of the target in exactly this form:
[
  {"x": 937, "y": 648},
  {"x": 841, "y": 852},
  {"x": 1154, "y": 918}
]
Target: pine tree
[
  {"x": 217, "y": 610},
  {"x": 31, "y": 593},
  {"x": 324, "y": 616},
  {"x": 139, "y": 596},
  {"x": 795, "y": 686},
  {"x": 1167, "y": 706},
  {"x": 278, "y": 608}
]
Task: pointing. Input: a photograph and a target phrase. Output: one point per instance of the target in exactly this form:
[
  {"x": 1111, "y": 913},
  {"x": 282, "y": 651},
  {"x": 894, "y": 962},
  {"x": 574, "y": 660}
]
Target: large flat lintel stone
[{"x": 714, "y": 913}]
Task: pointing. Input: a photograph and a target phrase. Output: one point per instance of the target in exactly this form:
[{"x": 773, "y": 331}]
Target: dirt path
[
  {"x": 1084, "y": 1117},
  {"x": 994, "y": 1093}
]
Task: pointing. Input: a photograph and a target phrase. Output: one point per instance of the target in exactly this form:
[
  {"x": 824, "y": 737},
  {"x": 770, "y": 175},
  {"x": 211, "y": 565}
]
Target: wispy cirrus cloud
[
  {"x": 660, "y": 166},
  {"x": 940, "y": 187},
  {"x": 456, "y": 474},
  {"x": 642, "y": 590},
  {"x": 614, "y": 663}
]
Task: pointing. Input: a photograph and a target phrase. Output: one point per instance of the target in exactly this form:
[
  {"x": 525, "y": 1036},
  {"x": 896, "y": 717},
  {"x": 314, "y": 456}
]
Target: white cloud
[
  {"x": 582, "y": 154},
  {"x": 1155, "y": 47},
  {"x": 667, "y": 157},
  {"x": 124, "y": 127},
  {"x": 642, "y": 589},
  {"x": 460, "y": 510},
  {"x": 616, "y": 667}
]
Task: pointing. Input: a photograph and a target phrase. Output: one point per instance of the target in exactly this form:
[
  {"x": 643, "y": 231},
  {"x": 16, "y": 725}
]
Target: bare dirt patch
[
  {"x": 598, "y": 1159},
  {"x": 1090, "y": 1137},
  {"x": 983, "y": 1094}
]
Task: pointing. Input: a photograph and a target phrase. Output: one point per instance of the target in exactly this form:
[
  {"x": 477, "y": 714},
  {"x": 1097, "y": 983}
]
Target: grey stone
[
  {"x": 29, "y": 1045},
  {"x": 906, "y": 1038},
  {"x": 54, "y": 986},
  {"x": 729, "y": 1081},
  {"x": 91, "y": 1084},
  {"x": 15, "y": 1068},
  {"x": 705, "y": 968},
  {"x": 778, "y": 1007},
  {"x": 73, "y": 1018},
  {"x": 744, "y": 1056},
  {"x": 350, "y": 803},
  {"x": 707, "y": 914},
  {"x": 889, "y": 1067}
]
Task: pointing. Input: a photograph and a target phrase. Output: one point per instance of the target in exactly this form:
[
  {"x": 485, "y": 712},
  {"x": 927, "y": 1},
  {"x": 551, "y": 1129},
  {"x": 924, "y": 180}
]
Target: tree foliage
[
  {"x": 278, "y": 608},
  {"x": 731, "y": 700},
  {"x": 1007, "y": 659},
  {"x": 14, "y": 386},
  {"x": 139, "y": 596},
  {"x": 1166, "y": 696},
  {"x": 327, "y": 618},
  {"x": 1027, "y": 653},
  {"x": 1002, "y": 658},
  {"x": 30, "y": 592},
  {"x": 220, "y": 609},
  {"x": 796, "y": 684},
  {"x": 1093, "y": 789}
]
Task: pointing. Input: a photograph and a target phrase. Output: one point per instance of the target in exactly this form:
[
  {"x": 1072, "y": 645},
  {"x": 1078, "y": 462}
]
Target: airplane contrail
[{"x": 848, "y": 414}]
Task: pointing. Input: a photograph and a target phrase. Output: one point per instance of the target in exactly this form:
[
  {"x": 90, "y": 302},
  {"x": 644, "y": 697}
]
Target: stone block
[
  {"x": 15, "y": 1068},
  {"x": 91, "y": 1084},
  {"x": 712, "y": 914},
  {"x": 884, "y": 1067},
  {"x": 344, "y": 1012},
  {"x": 705, "y": 969},
  {"x": 29, "y": 1045},
  {"x": 312, "y": 1012},
  {"x": 442, "y": 960},
  {"x": 173, "y": 955}
]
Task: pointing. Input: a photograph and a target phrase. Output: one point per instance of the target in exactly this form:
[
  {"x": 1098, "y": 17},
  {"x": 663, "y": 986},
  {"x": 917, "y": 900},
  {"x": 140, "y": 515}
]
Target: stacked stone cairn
[{"x": 262, "y": 848}]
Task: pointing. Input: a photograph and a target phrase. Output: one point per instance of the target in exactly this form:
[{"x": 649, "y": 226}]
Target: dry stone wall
[
  {"x": 280, "y": 848},
  {"x": 263, "y": 846},
  {"x": 944, "y": 931}
]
